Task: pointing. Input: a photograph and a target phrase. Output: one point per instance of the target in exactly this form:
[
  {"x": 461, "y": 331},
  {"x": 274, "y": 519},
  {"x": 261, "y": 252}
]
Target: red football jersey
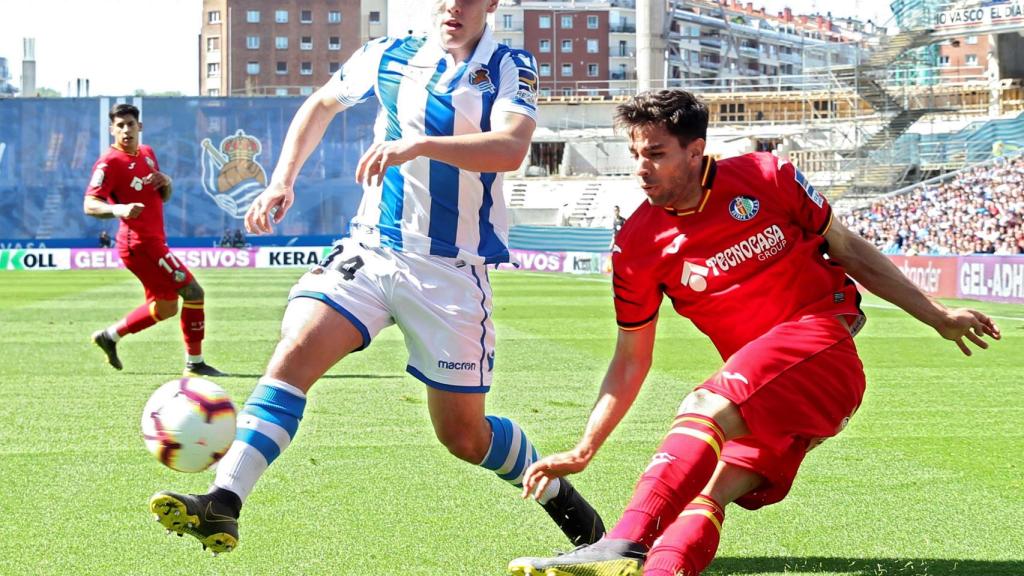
[
  {"x": 747, "y": 258},
  {"x": 117, "y": 179}
]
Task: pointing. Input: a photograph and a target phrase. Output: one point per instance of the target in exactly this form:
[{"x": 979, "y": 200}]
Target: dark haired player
[
  {"x": 127, "y": 183},
  {"x": 750, "y": 252}
]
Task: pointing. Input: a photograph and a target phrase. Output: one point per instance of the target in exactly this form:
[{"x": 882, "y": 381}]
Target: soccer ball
[{"x": 188, "y": 424}]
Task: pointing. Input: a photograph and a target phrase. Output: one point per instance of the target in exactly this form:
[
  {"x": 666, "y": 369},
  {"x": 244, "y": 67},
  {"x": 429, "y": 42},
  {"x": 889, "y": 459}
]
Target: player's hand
[
  {"x": 963, "y": 323},
  {"x": 158, "y": 179},
  {"x": 269, "y": 208},
  {"x": 127, "y": 211},
  {"x": 376, "y": 160},
  {"x": 540, "y": 474}
]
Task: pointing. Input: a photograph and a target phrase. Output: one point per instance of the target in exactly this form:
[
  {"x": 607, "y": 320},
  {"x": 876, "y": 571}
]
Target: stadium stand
[{"x": 978, "y": 210}]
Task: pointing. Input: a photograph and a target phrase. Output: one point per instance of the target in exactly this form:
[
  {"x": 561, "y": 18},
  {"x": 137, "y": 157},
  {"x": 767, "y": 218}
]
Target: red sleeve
[
  {"x": 637, "y": 296},
  {"x": 101, "y": 182},
  {"x": 156, "y": 163},
  {"x": 809, "y": 208}
]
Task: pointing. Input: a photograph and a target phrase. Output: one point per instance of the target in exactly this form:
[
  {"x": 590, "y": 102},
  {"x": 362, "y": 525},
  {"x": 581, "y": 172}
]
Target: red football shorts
[
  {"x": 160, "y": 271},
  {"x": 795, "y": 386}
]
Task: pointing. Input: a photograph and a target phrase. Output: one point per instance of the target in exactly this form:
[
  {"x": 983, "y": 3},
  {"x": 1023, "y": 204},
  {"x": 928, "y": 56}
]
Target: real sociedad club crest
[
  {"x": 481, "y": 80},
  {"x": 744, "y": 208},
  {"x": 231, "y": 174}
]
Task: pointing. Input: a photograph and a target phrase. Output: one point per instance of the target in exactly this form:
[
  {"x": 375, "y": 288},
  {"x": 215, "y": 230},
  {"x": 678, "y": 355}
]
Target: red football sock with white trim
[
  {"x": 678, "y": 472},
  {"x": 193, "y": 326},
  {"x": 689, "y": 545},
  {"x": 138, "y": 320}
]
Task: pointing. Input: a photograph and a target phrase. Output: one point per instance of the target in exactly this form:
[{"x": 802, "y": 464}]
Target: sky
[
  {"x": 152, "y": 45},
  {"x": 119, "y": 45}
]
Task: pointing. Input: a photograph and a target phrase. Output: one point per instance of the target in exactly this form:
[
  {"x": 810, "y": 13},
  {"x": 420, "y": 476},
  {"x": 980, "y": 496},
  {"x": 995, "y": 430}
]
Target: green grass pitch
[{"x": 928, "y": 479}]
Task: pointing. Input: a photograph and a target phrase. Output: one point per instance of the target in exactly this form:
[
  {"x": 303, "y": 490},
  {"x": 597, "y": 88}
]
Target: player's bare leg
[
  {"x": 193, "y": 329},
  {"x": 313, "y": 338},
  {"x": 499, "y": 444},
  {"x": 684, "y": 464},
  {"x": 135, "y": 321}
]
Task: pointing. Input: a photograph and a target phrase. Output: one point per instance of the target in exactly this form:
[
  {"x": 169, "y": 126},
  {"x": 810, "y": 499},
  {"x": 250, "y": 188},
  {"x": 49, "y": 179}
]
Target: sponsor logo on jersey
[
  {"x": 446, "y": 365},
  {"x": 527, "y": 86},
  {"x": 744, "y": 208},
  {"x": 801, "y": 180},
  {"x": 131, "y": 165},
  {"x": 763, "y": 245},
  {"x": 481, "y": 80},
  {"x": 232, "y": 175}
]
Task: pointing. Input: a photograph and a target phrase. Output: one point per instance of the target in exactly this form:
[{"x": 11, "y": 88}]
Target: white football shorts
[{"x": 442, "y": 305}]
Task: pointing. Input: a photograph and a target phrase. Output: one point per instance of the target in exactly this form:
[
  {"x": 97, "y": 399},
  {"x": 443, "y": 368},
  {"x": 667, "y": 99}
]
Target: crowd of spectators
[{"x": 980, "y": 211}]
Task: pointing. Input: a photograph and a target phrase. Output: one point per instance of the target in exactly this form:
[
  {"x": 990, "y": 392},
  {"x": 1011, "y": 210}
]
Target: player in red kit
[
  {"x": 750, "y": 252},
  {"x": 127, "y": 183}
]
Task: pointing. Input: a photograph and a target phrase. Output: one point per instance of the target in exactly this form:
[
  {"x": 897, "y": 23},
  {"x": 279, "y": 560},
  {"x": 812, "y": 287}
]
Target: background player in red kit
[
  {"x": 127, "y": 183},
  {"x": 738, "y": 246}
]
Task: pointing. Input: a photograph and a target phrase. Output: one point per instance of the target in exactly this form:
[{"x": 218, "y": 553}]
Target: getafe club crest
[
  {"x": 231, "y": 174},
  {"x": 744, "y": 208}
]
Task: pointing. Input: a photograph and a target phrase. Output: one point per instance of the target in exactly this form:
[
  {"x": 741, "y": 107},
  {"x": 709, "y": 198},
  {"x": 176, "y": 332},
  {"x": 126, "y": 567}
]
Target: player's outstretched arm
[
  {"x": 500, "y": 150},
  {"x": 99, "y": 209},
  {"x": 304, "y": 135},
  {"x": 865, "y": 264},
  {"x": 622, "y": 382}
]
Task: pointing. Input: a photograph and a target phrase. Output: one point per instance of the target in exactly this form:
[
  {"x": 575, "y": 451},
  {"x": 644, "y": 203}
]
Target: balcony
[
  {"x": 710, "y": 65},
  {"x": 711, "y": 41},
  {"x": 750, "y": 52},
  {"x": 623, "y": 27}
]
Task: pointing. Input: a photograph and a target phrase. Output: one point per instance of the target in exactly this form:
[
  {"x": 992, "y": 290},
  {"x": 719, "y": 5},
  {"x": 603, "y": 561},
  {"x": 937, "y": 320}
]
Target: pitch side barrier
[{"x": 975, "y": 277}]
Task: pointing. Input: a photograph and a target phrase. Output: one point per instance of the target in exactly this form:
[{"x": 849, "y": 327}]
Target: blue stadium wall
[{"x": 48, "y": 147}]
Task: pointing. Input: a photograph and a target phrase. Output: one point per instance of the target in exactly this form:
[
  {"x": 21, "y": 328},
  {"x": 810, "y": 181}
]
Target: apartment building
[
  {"x": 589, "y": 46},
  {"x": 965, "y": 58},
  {"x": 712, "y": 39},
  {"x": 281, "y": 47}
]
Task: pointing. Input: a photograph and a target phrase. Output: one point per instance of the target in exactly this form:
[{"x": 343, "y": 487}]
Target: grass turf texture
[{"x": 926, "y": 480}]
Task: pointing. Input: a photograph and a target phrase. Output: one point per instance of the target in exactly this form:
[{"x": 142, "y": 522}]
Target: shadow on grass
[{"x": 866, "y": 566}]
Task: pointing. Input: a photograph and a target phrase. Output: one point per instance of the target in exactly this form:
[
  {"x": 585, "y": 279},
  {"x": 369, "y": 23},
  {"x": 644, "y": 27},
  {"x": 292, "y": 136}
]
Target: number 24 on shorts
[{"x": 347, "y": 267}]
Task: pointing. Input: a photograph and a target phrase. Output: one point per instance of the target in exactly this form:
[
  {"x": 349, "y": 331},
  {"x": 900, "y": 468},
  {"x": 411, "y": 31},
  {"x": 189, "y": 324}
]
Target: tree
[{"x": 45, "y": 92}]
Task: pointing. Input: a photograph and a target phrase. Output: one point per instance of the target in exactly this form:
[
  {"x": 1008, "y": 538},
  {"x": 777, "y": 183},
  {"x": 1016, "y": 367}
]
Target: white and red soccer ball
[{"x": 188, "y": 424}]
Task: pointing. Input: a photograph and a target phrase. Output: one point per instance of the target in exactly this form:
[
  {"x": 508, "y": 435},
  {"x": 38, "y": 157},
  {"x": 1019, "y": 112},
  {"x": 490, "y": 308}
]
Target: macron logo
[{"x": 446, "y": 365}]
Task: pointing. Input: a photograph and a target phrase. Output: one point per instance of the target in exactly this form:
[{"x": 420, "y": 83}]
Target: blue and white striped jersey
[{"x": 426, "y": 206}]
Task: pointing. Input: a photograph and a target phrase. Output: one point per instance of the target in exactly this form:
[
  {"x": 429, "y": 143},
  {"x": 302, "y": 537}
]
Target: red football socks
[
  {"x": 139, "y": 319},
  {"x": 678, "y": 472},
  {"x": 689, "y": 544},
  {"x": 193, "y": 326}
]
